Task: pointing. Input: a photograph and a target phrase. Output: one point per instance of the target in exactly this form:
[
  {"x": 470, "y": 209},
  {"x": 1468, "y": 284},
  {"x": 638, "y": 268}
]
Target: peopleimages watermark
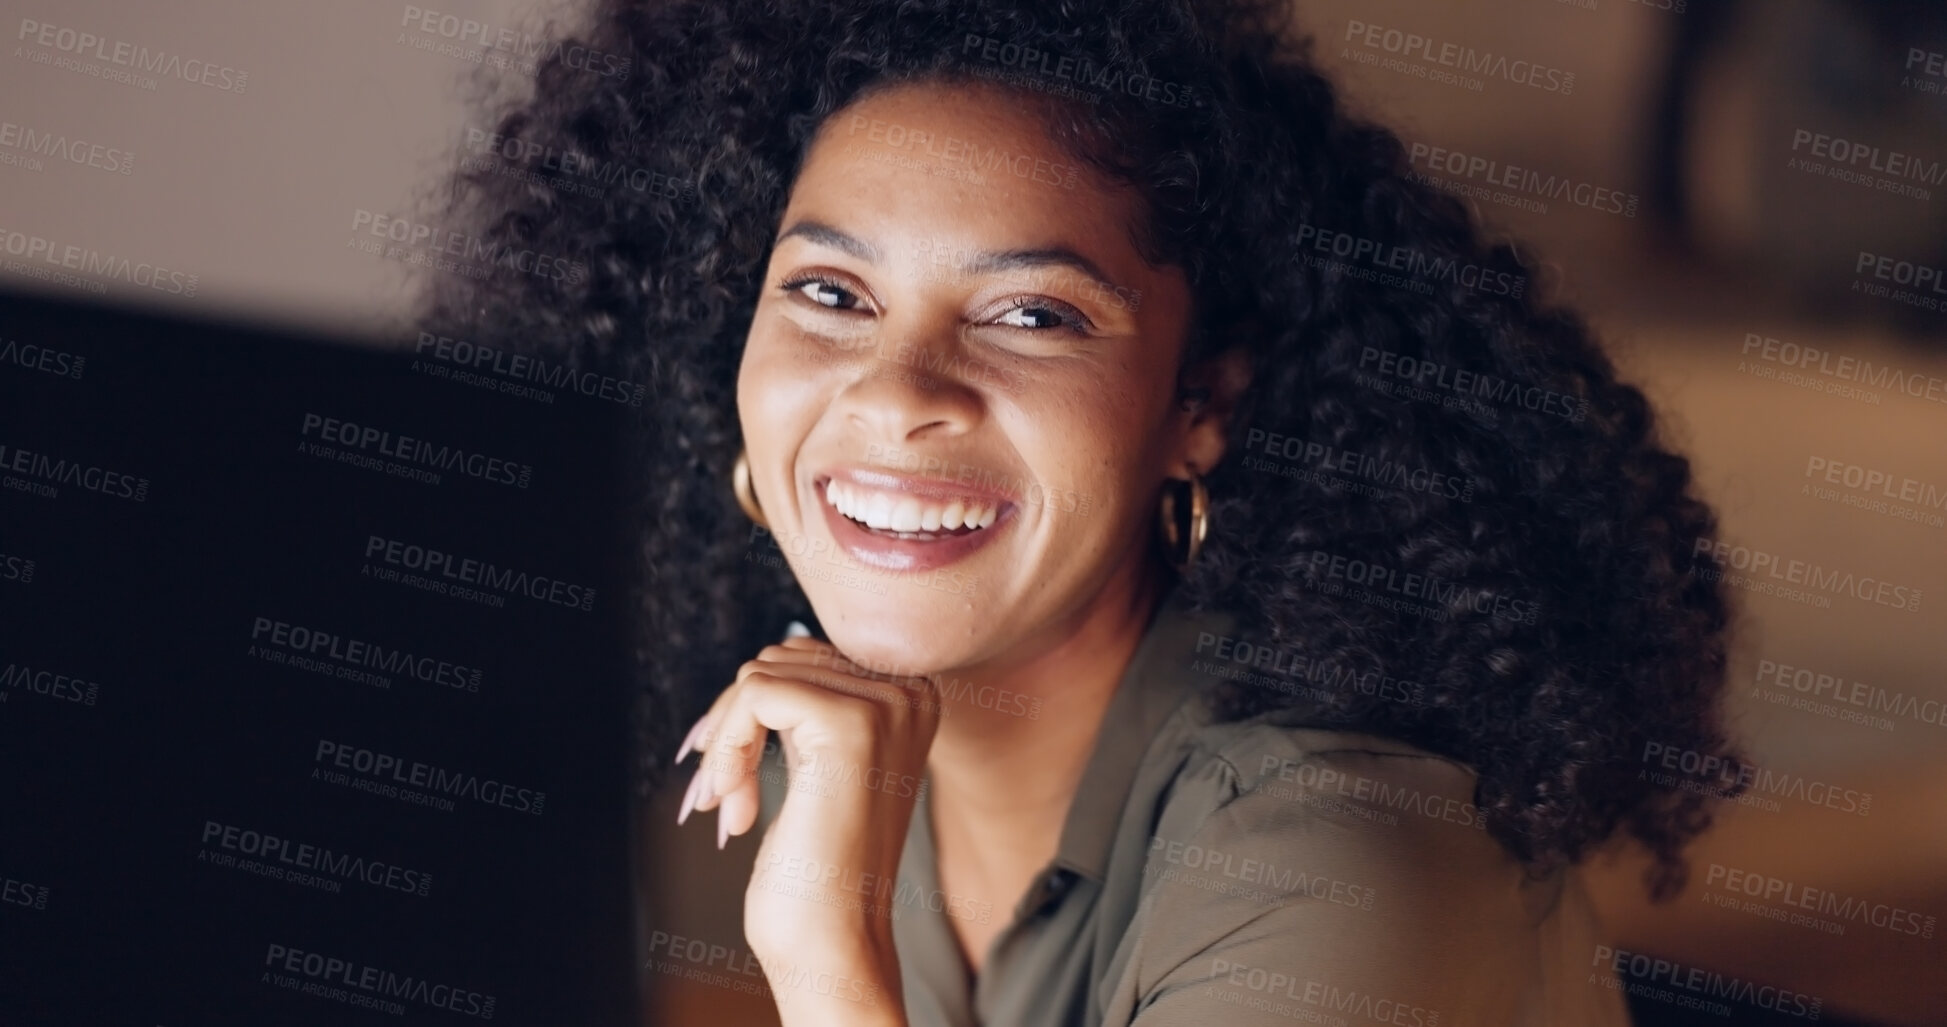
[
  {"x": 930, "y": 364},
  {"x": 378, "y": 771},
  {"x": 379, "y": 449},
  {"x": 939, "y": 469},
  {"x": 738, "y": 969},
  {"x": 48, "y": 260},
  {"x": 1822, "y": 370},
  {"x": 1714, "y": 776},
  {"x": 1868, "y": 489},
  {"x": 1421, "y": 595},
  {"x": 45, "y": 359},
  {"x": 118, "y": 57},
  {"x": 1692, "y": 987},
  {"x": 424, "y": 245},
  {"x": 572, "y": 171},
  {"x": 952, "y": 691},
  {"x": 1925, "y": 71},
  {"x": 708, "y": 962},
  {"x": 1331, "y": 467},
  {"x": 468, "y": 39},
  {"x": 1425, "y": 379},
  {"x": 815, "y": 772},
  {"x": 1310, "y": 997},
  {"x": 23, "y": 894},
  {"x": 22, "y": 146},
  {"x": 438, "y": 571},
  {"x": 1929, "y": 284},
  {"x": 872, "y": 894},
  {"x": 302, "y": 863},
  {"x": 1355, "y": 794},
  {"x": 1246, "y": 877},
  {"x": 43, "y": 475},
  {"x": 1756, "y": 570},
  {"x": 1071, "y": 76},
  {"x": 1426, "y": 51},
  {"x": 50, "y": 684},
  {"x": 947, "y": 262},
  {"x": 1817, "y": 908},
  {"x": 366, "y": 986},
  {"x": 1287, "y": 668},
  {"x": 1891, "y": 171},
  {"x": 954, "y": 152},
  {"x": 1858, "y": 702},
  {"x": 336, "y": 655},
  {"x": 1418, "y": 271},
  {"x": 1526, "y": 188},
  {"x": 516, "y": 374},
  {"x": 14, "y": 567}
]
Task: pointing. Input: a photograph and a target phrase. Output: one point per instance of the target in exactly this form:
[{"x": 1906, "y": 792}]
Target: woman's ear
[{"x": 1208, "y": 396}]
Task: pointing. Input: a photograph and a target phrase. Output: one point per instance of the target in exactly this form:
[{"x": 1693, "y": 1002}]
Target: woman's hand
[{"x": 818, "y": 911}]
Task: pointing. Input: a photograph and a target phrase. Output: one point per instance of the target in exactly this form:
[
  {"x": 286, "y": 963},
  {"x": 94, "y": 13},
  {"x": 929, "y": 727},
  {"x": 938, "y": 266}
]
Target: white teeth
[
  {"x": 905, "y": 516},
  {"x": 893, "y": 512}
]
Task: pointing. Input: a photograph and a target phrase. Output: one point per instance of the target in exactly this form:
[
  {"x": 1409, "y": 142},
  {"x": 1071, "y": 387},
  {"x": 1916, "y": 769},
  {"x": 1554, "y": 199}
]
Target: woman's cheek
[{"x": 808, "y": 346}]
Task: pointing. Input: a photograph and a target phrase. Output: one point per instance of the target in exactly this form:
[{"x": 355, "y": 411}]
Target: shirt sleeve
[{"x": 1345, "y": 887}]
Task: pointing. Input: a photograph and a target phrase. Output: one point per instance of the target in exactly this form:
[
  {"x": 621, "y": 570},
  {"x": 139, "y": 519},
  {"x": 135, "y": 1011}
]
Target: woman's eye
[
  {"x": 825, "y": 294},
  {"x": 1040, "y": 315}
]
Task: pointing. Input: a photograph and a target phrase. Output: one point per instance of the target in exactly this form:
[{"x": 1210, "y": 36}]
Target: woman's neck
[{"x": 1014, "y": 739}]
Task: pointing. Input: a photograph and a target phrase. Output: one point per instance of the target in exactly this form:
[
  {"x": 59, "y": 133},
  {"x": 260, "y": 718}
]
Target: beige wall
[{"x": 253, "y": 191}]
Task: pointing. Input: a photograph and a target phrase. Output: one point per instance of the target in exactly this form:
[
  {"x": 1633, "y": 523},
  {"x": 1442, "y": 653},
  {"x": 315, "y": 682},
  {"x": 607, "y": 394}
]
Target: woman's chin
[{"x": 899, "y": 647}]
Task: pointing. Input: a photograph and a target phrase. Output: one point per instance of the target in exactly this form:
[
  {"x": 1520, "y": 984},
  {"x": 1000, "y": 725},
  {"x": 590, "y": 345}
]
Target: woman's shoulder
[
  {"x": 1357, "y": 864},
  {"x": 1285, "y": 752},
  {"x": 1376, "y": 815},
  {"x": 1334, "y": 771}
]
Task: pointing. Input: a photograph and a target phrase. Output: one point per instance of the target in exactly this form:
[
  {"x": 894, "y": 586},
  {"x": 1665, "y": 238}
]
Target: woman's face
[{"x": 958, "y": 396}]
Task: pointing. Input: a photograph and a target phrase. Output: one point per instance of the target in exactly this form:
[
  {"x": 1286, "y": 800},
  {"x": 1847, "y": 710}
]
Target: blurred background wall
[
  {"x": 251, "y": 181},
  {"x": 1746, "y": 198}
]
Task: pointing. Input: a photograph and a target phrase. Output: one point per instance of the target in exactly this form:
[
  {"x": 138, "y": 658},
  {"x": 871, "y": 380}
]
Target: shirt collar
[{"x": 1155, "y": 685}]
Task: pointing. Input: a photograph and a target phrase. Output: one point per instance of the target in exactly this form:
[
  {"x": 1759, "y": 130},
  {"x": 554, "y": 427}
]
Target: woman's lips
[{"x": 897, "y": 523}]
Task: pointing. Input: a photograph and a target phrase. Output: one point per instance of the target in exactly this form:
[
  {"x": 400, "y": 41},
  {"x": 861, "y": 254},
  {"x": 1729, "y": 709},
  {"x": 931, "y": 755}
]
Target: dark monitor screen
[{"x": 313, "y": 682}]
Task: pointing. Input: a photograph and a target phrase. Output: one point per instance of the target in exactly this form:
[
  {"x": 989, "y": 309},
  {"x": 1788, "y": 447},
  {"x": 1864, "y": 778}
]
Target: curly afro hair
[{"x": 1564, "y": 617}]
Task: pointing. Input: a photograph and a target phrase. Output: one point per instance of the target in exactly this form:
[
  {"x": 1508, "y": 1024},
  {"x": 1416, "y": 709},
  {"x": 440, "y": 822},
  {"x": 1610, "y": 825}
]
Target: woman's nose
[{"x": 913, "y": 387}]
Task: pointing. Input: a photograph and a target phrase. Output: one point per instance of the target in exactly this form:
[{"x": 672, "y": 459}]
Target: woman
[{"x": 1237, "y": 598}]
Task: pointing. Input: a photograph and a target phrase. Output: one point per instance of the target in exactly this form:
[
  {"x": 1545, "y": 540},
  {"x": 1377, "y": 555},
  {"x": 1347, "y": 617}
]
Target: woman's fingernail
[
  {"x": 689, "y": 740},
  {"x": 723, "y": 831},
  {"x": 796, "y": 629},
  {"x": 689, "y": 798},
  {"x": 705, "y": 786}
]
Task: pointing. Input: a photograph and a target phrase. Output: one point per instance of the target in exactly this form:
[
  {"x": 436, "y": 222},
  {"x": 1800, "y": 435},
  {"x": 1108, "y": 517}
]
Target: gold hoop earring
[
  {"x": 1199, "y": 523},
  {"x": 746, "y": 495}
]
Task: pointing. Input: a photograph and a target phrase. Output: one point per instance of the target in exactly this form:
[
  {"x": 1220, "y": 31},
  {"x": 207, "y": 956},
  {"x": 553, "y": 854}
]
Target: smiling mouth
[{"x": 910, "y": 518}]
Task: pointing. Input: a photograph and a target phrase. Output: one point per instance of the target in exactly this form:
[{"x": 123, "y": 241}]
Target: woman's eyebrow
[{"x": 826, "y": 235}]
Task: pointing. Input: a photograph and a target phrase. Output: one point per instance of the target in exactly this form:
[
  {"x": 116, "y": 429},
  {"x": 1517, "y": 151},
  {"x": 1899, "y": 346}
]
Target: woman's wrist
[{"x": 834, "y": 990}]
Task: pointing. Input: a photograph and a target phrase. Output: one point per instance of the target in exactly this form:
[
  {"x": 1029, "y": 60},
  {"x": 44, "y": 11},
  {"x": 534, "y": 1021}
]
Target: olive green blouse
[{"x": 1255, "y": 872}]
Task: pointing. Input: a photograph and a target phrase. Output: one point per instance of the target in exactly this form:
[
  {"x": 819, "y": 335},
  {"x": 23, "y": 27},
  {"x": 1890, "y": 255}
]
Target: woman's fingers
[
  {"x": 807, "y": 712},
  {"x": 704, "y": 731},
  {"x": 797, "y": 682}
]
